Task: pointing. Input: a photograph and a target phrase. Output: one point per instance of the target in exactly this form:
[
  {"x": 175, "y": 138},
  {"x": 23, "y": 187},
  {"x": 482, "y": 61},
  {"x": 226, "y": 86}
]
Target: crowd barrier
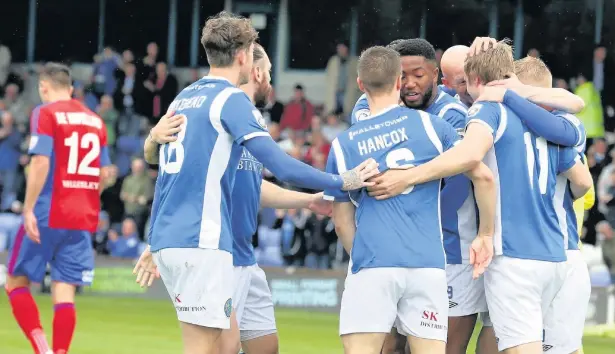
[{"x": 295, "y": 288}]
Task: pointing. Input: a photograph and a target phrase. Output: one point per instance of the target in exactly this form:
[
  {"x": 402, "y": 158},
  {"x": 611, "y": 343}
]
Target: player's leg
[
  {"x": 229, "y": 341},
  {"x": 423, "y": 310},
  {"x": 28, "y": 261},
  {"x": 565, "y": 318},
  {"x": 369, "y": 308},
  {"x": 394, "y": 343},
  {"x": 486, "y": 343},
  {"x": 72, "y": 266},
  {"x": 514, "y": 289},
  {"x": 466, "y": 298},
  {"x": 200, "y": 284},
  {"x": 258, "y": 331}
]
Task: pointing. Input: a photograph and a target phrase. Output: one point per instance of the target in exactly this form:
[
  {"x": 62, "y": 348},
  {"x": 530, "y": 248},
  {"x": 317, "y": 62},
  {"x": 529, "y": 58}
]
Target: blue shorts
[{"x": 69, "y": 252}]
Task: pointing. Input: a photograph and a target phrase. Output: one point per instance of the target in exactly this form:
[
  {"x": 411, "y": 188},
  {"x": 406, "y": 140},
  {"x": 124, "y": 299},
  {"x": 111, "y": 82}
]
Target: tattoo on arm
[{"x": 352, "y": 180}]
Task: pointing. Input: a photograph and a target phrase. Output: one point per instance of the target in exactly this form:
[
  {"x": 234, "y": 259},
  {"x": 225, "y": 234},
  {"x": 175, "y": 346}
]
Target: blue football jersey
[
  {"x": 580, "y": 145},
  {"x": 192, "y": 200},
  {"x": 563, "y": 199},
  {"x": 403, "y": 231},
  {"x": 526, "y": 223},
  {"x": 246, "y": 202},
  {"x": 448, "y": 108}
]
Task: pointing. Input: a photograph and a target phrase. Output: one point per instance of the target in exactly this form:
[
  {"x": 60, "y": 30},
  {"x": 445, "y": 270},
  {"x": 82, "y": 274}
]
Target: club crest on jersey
[
  {"x": 228, "y": 307},
  {"x": 33, "y": 142},
  {"x": 259, "y": 118},
  {"x": 474, "y": 110}
]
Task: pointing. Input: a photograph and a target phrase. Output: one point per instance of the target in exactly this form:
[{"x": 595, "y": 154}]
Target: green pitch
[{"x": 128, "y": 326}]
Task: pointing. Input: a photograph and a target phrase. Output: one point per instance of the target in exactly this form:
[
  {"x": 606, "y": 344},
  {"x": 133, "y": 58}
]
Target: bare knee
[
  {"x": 63, "y": 293},
  {"x": 14, "y": 282}
]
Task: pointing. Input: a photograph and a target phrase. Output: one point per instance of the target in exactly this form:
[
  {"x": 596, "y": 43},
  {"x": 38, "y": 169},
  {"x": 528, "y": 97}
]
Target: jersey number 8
[
  {"x": 87, "y": 141},
  {"x": 166, "y": 165},
  {"x": 395, "y": 160}
]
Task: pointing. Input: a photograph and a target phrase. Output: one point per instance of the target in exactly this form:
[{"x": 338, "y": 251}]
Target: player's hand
[
  {"x": 481, "y": 254},
  {"x": 320, "y": 206},
  {"x": 167, "y": 127},
  {"x": 145, "y": 269},
  {"x": 389, "y": 184},
  {"x": 31, "y": 226},
  {"x": 357, "y": 177},
  {"x": 492, "y": 94},
  {"x": 481, "y": 44},
  {"x": 512, "y": 83}
]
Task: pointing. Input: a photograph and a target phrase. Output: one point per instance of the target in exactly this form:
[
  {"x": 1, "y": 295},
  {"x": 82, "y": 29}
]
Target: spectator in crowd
[
  {"x": 341, "y": 72},
  {"x": 10, "y": 151},
  {"x": 533, "y": 52},
  {"x": 298, "y": 112},
  {"x": 318, "y": 149},
  {"x": 16, "y": 104},
  {"x": 195, "y": 75},
  {"x": 5, "y": 63},
  {"x": 126, "y": 95},
  {"x": 284, "y": 143},
  {"x": 607, "y": 244},
  {"x": 272, "y": 111},
  {"x": 126, "y": 245},
  {"x": 137, "y": 192},
  {"x": 109, "y": 115},
  {"x": 591, "y": 115},
  {"x": 319, "y": 236},
  {"x": 85, "y": 96},
  {"x": 146, "y": 67},
  {"x": 604, "y": 68},
  {"x": 110, "y": 197},
  {"x": 164, "y": 89},
  {"x": 292, "y": 231},
  {"x": 561, "y": 83},
  {"x": 607, "y": 198},
  {"x": 105, "y": 65},
  {"x": 333, "y": 126},
  {"x": 127, "y": 58},
  {"x": 99, "y": 237}
]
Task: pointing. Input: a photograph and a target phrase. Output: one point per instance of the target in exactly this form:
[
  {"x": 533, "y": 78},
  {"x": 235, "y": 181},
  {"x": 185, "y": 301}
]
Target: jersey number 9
[
  {"x": 398, "y": 159},
  {"x": 166, "y": 165}
]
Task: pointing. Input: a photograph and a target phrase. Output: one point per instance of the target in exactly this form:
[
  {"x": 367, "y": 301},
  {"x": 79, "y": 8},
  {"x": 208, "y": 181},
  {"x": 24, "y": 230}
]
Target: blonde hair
[
  {"x": 531, "y": 70},
  {"x": 494, "y": 63}
]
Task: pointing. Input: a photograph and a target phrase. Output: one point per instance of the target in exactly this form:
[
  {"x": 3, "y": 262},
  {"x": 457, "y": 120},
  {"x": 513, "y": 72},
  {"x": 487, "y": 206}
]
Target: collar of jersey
[
  {"x": 381, "y": 112},
  {"x": 206, "y": 77}
]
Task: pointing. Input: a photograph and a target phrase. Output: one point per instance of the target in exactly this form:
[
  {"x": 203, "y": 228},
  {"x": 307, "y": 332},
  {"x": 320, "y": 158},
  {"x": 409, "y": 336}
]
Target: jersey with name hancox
[
  {"x": 563, "y": 199},
  {"x": 75, "y": 140},
  {"x": 459, "y": 223},
  {"x": 403, "y": 231},
  {"x": 246, "y": 202},
  {"x": 526, "y": 226},
  {"x": 192, "y": 201}
]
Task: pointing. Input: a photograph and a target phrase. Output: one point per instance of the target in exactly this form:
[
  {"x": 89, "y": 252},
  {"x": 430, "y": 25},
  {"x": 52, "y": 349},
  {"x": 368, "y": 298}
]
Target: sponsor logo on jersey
[
  {"x": 228, "y": 307},
  {"x": 259, "y": 118}
]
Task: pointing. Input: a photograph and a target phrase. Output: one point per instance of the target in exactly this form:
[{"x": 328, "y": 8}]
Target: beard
[
  {"x": 261, "y": 95},
  {"x": 422, "y": 104}
]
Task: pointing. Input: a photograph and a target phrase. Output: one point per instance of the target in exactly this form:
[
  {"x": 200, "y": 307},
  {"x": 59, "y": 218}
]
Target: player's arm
[
  {"x": 485, "y": 194},
  {"x": 557, "y": 98},
  {"x": 163, "y": 132},
  {"x": 41, "y": 148},
  {"x": 273, "y": 196},
  {"x": 360, "y": 110},
  {"x": 345, "y": 226},
  {"x": 554, "y": 128},
  {"x": 244, "y": 122},
  {"x": 571, "y": 166}
]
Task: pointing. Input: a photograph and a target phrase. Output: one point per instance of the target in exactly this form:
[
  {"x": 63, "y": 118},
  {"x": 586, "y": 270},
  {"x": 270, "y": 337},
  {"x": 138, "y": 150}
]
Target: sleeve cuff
[
  {"x": 40, "y": 145},
  {"x": 339, "y": 197},
  {"x": 247, "y": 137},
  {"x": 105, "y": 160},
  {"x": 481, "y": 122}
]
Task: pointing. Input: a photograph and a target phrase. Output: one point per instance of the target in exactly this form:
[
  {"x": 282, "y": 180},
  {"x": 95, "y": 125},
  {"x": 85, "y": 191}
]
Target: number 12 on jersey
[
  {"x": 543, "y": 161},
  {"x": 89, "y": 141}
]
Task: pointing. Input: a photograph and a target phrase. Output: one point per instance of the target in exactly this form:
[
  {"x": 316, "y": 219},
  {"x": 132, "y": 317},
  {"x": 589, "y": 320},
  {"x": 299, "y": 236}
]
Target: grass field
[{"x": 129, "y": 326}]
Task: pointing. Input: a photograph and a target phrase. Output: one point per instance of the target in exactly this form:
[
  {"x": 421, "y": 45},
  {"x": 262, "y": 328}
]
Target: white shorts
[
  {"x": 253, "y": 302},
  {"x": 200, "y": 284},
  {"x": 565, "y": 318},
  {"x": 519, "y": 293},
  {"x": 466, "y": 296},
  {"x": 411, "y": 299}
]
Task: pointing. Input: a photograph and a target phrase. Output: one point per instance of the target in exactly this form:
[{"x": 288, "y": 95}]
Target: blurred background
[{"x": 131, "y": 57}]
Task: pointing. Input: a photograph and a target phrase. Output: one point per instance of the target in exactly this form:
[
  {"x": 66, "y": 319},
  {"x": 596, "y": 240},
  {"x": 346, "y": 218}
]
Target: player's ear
[
  {"x": 398, "y": 83},
  {"x": 360, "y": 83},
  {"x": 445, "y": 82},
  {"x": 241, "y": 57},
  {"x": 70, "y": 90},
  {"x": 436, "y": 74}
]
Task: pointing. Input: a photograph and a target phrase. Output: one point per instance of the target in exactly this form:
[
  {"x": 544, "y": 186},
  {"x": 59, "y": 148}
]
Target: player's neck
[
  {"x": 231, "y": 74},
  {"x": 435, "y": 92},
  {"x": 249, "y": 89},
  {"x": 58, "y": 96},
  {"x": 380, "y": 103}
]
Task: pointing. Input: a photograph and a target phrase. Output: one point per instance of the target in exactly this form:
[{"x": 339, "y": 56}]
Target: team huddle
[{"x": 454, "y": 202}]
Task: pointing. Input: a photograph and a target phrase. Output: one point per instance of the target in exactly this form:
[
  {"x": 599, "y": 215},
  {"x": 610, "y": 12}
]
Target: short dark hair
[
  {"x": 57, "y": 74},
  {"x": 379, "y": 68},
  {"x": 414, "y": 47},
  {"x": 299, "y": 87},
  {"x": 259, "y": 52},
  {"x": 223, "y": 35}
]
